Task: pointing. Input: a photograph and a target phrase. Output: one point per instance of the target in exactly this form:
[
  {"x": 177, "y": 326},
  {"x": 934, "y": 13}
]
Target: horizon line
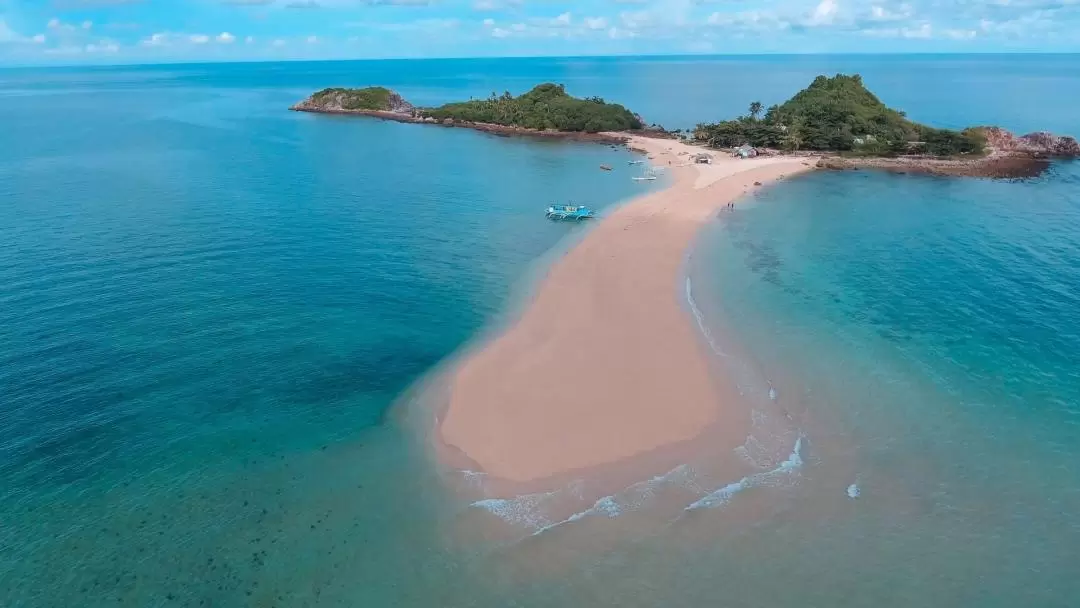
[{"x": 91, "y": 64}]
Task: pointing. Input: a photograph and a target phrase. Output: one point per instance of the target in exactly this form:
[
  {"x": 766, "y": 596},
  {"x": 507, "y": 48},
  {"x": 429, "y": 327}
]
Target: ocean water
[{"x": 212, "y": 311}]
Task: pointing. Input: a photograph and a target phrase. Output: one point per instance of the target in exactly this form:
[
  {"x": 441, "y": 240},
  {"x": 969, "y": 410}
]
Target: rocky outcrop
[
  {"x": 360, "y": 101},
  {"x": 1039, "y": 145},
  {"x": 834, "y": 163}
]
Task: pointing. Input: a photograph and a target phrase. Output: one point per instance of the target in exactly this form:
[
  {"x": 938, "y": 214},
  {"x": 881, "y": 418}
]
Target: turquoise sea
[{"x": 212, "y": 311}]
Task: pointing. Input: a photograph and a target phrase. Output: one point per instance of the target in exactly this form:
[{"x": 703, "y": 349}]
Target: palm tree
[
  {"x": 755, "y": 109},
  {"x": 793, "y": 137}
]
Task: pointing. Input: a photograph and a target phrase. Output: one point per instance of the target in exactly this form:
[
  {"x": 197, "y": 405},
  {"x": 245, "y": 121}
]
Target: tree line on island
[
  {"x": 838, "y": 114},
  {"x": 547, "y": 107}
]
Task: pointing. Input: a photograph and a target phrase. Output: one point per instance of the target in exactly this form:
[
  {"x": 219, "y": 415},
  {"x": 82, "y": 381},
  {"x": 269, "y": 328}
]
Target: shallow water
[
  {"x": 209, "y": 304},
  {"x": 925, "y": 330}
]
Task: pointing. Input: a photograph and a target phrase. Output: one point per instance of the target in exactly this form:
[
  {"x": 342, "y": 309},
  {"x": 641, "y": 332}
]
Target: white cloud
[
  {"x": 563, "y": 19},
  {"x": 87, "y": 25},
  {"x": 278, "y": 43},
  {"x": 60, "y": 26},
  {"x": 312, "y": 39},
  {"x": 489, "y": 22},
  {"x": 249, "y": 40},
  {"x": 922, "y": 31},
  {"x": 7, "y": 34},
  {"x": 596, "y": 23},
  {"x": 104, "y": 46},
  {"x": 824, "y": 13},
  {"x": 500, "y": 33},
  {"x": 199, "y": 38},
  {"x": 749, "y": 20},
  {"x": 881, "y": 13},
  {"x": 225, "y": 38},
  {"x": 38, "y": 38},
  {"x": 157, "y": 39},
  {"x": 633, "y": 20},
  {"x": 518, "y": 27},
  {"x": 961, "y": 34}
]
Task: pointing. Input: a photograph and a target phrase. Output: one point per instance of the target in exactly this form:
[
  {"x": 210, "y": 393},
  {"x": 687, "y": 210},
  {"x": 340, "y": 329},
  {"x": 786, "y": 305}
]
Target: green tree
[
  {"x": 794, "y": 136},
  {"x": 755, "y": 109}
]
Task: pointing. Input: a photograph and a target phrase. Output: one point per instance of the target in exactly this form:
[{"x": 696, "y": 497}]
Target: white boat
[{"x": 646, "y": 176}]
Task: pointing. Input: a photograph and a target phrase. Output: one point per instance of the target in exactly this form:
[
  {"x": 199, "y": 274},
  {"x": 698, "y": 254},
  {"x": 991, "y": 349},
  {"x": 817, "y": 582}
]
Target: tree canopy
[
  {"x": 369, "y": 98},
  {"x": 546, "y": 106},
  {"x": 838, "y": 114}
]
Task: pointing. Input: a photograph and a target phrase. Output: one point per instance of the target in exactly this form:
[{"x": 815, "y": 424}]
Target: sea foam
[
  {"x": 700, "y": 318},
  {"x": 724, "y": 495}
]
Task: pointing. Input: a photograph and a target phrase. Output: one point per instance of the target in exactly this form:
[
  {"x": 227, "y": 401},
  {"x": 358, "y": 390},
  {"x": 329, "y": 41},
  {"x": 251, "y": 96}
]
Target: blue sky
[{"x": 147, "y": 31}]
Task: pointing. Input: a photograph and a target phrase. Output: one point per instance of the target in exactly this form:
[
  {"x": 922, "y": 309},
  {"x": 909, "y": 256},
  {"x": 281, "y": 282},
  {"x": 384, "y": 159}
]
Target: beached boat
[{"x": 569, "y": 212}]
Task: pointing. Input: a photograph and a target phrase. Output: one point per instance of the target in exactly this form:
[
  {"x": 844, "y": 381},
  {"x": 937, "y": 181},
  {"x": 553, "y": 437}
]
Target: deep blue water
[{"x": 209, "y": 304}]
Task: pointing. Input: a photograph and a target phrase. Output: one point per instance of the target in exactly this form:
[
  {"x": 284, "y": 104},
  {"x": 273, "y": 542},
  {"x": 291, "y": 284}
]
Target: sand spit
[{"x": 605, "y": 364}]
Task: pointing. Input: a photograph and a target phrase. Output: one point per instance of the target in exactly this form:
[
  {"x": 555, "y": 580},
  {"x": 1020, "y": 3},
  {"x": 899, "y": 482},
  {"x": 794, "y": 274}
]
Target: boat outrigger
[{"x": 569, "y": 212}]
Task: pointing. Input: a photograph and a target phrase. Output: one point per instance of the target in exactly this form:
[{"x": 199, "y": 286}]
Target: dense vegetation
[
  {"x": 838, "y": 115},
  {"x": 370, "y": 98},
  {"x": 547, "y": 106}
]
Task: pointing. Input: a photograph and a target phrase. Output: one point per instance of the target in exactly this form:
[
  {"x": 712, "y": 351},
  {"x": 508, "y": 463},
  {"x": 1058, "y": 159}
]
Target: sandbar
[{"x": 605, "y": 363}]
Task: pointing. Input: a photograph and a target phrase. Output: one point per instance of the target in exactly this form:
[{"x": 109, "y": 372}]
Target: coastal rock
[
  {"x": 1041, "y": 143},
  {"x": 834, "y": 164}
]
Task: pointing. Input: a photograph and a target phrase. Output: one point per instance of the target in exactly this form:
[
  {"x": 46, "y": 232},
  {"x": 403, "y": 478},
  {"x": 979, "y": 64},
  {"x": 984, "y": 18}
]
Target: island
[
  {"x": 841, "y": 118},
  {"x": 547, "y": 110},
  {"x": 836, "y": 119}
]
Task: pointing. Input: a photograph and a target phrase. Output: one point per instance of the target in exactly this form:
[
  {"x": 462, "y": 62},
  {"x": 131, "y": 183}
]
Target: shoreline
[
  {"x": 494, "y": 129},
  {"x": 581, "y": 384},
  {"x": 999, "y": 164}
]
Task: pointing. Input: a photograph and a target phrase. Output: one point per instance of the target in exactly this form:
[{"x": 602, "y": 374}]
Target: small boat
[
  {"x": 646, "y": 176},
  {"x": 606, "y": 167},
  {"x": 635, "y": 162},
  {"x": 569, "y": 212}
]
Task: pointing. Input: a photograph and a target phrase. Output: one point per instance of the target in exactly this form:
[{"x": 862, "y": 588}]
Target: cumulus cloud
[
  {"x": 596, "y": 23},
  {"x": 824, "y": 13},
  {"x": 199, "y": 38},
  {"x": 500, "y": 33},
  {"x": 882, "y": 13},
  {"x": 225, "y": 38}
]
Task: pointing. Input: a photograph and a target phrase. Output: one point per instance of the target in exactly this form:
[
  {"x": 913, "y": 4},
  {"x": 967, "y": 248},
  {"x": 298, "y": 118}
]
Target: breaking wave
[
  {"x": 532, "y": 511},
  {"x": 700, "y": 319},
  {"x": 783, "y": 472}
]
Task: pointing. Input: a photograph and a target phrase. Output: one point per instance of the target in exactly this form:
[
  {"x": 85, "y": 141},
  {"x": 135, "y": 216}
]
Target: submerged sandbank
[{"x": 605, "y": 364}]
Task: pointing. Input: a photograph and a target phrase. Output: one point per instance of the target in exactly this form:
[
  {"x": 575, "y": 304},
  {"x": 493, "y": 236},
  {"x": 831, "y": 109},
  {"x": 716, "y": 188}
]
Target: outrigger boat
[
  {"x": 646, "y": 176},
  {"x": 569, "y": 212}
]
